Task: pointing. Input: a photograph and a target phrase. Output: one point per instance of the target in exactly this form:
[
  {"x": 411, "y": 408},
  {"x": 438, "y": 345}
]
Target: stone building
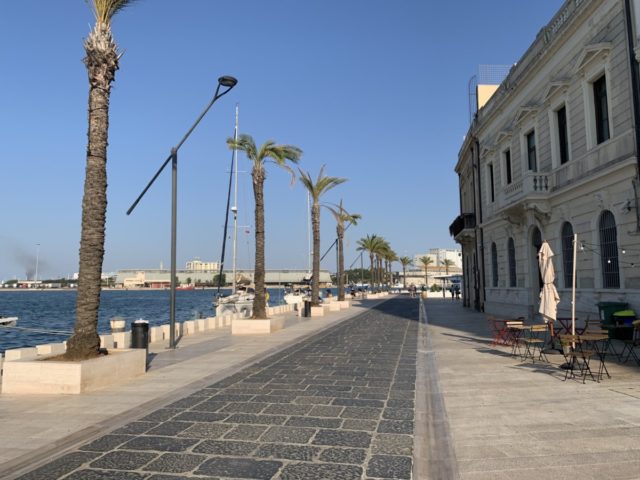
[{"x": 553, "y": 153}]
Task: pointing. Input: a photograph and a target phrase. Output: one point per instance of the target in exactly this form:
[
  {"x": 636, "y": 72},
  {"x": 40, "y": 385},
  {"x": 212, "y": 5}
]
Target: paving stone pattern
[{"x": 339, "y": 405}]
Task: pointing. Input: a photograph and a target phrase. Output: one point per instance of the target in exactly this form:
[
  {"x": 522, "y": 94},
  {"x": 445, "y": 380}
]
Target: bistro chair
[
  {"x": 631, "y": 344},
  {"x": 498, "y": 330},
  {"x": 535, "y": 341},
  {"x": 576, "y": 357}
]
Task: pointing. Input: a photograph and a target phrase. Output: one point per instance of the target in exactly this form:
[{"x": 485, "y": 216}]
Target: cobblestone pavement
[{"x": 337, "y": 406}]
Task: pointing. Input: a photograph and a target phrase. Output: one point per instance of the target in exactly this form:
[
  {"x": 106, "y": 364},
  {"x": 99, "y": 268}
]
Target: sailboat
[
  {"x": 298, "y": 294},
  {"x": 241, "y": 298}
]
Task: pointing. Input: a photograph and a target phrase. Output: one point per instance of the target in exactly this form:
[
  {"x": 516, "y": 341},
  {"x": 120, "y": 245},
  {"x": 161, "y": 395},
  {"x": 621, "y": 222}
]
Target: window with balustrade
[
  {"x": 563, "y": 134},
  {"x": 601, "y": 109},
  {"x": 531, "y": 151},
  {"x": 507, "y": 167},
  {"x": 609, "y": 250}
]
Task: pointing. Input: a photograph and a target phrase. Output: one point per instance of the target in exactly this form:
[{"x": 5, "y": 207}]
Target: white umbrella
[{"x": 549, "y": 298}]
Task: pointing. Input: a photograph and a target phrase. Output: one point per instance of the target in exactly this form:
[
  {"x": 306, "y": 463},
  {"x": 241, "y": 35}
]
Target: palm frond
[{"x": 105, "y": 10}]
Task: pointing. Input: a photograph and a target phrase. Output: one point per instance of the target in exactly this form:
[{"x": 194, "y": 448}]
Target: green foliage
[{"x": 435, "y": 288}]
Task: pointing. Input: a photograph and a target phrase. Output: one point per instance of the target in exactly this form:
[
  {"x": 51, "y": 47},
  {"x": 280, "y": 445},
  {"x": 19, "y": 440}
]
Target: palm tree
[
  {"x": 342, "y": 216},
  {"x": 426, "y": 261},
  {"x": 279, "y": 154},
  {"x": 447, "y": 263},
  {"x": 405, "y": 262},
  {"x": 369, "y": 244},
  {"x": 102, "y": 61},
  {"x": 322, "y": 185}
]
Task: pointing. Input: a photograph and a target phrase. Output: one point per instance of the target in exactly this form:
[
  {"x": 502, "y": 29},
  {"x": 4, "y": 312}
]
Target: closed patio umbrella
[{"x": 549, "y": 298}]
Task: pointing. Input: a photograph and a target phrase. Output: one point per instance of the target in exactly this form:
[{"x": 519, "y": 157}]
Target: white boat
[
  {"x": 240, "y": 300},
  {"x": 8, "y": 321},
  {"x": 296, "y": 296}
]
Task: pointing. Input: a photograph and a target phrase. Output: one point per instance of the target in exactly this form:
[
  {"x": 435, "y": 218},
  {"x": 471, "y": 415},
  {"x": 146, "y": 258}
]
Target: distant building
[
  {"x": 199, "y": 266},
  {"x": 160, "y": 278}
]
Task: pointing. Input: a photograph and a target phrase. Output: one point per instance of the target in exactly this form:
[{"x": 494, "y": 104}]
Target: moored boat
[{"x": 8, "y": 321}]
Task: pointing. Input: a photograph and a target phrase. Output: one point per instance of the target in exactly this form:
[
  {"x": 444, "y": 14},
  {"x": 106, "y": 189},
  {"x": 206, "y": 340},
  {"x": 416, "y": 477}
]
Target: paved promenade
[{"x": 371, "y": 393}]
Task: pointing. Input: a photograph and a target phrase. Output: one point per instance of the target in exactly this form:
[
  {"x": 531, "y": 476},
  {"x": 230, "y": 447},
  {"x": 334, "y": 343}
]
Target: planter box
[
  {"x": 250, "y": 327},
  {"x": 317, "y": 311},
  {"x": 344, "y": 304},
  {"x": 51, "y": 377}
]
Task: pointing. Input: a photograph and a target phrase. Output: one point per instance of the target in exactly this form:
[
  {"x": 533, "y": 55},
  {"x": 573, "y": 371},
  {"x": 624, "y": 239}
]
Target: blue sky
[{"x": 374, "y": 89}]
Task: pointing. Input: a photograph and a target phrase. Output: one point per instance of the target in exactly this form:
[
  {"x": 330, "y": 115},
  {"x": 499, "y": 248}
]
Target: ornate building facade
[{"x": 553, "y": 153}]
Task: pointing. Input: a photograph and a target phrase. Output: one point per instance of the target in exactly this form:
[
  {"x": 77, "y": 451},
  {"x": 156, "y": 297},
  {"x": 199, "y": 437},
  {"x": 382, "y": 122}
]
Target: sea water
[{"x": 48, "y": 316}]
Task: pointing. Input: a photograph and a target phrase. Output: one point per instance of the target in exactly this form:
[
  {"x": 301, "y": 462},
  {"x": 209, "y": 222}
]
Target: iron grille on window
[
  {"x": 567, "y": 254},
  {"x": 494, "y": 264},
  {"x": 512, "y": 262},
  {"x": 609, "y": 250},
  {"x": 493, "y": 193}
]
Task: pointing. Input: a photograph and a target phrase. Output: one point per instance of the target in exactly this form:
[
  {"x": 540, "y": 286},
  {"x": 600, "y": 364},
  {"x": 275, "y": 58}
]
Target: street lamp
[{"x": 228, "y": 83}]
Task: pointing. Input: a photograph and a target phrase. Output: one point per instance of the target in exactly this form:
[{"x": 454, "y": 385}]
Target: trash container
[
  {"x": 307, "y": 308},
  {"x": 140, "y": 334},
  {"x": 623, "y": 318},
  {"x": 607, "y": 309}
]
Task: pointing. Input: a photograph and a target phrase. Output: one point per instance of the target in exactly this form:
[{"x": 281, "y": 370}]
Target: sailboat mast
[
  {"x": 309, "y": 231},
  {"x": 234, "y": 209}
]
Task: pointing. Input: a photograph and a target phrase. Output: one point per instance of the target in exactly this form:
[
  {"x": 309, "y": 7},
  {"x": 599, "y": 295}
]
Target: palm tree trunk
[
  {"x": 340, "y": 232},
  {"x": 404, "y": 276},
  {"x": 101, "y": 62},
  {"x": 372, "y": 280},
  {"x": 315, "y": 278},
  {"x": 259, "y": 300}
]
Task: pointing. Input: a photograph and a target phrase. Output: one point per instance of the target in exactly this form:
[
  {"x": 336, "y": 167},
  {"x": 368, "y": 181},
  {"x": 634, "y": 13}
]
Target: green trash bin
[
  {"x": 625, "y": 319},
  {"x": 606, "y": 311}
]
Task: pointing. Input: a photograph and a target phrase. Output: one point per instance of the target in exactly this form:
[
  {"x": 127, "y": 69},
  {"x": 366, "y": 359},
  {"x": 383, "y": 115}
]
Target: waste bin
[
  {"x": 623, "y": 318},
  {"x": 307, "y": 308},
  {"x": 607, "y": 309},
  {"x": 140, "y": 334}
]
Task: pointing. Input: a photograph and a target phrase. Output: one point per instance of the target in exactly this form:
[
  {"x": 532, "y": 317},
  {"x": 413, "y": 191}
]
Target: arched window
[
  {"x": 494, "y": 264},
  {"x": 511, "y": 248},
  {"x": 536, "y": 243},
  {"x": 567, "y": 254},
  {"x": 609, "y": 250}
]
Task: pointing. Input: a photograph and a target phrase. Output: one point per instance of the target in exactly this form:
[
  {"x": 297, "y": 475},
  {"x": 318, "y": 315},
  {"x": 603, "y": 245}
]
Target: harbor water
[{"x": 48, "y": 316}]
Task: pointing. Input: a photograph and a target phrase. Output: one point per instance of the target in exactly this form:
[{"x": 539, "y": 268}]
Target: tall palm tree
[
  {"x": 447, "y": 263},
  {"x": 102, "y": 61},
  {"x": 370, "y": 244},
  {"x": 279, "y": 154},
  {"x": 426, "y": 261},
  {"x": 342, "y": 216},
  {"x": 390, "y": 257},
  {"x": 316, "y": 189},
  {"x": 405, "y": 262},
  {"x": 381, "y": 250}
]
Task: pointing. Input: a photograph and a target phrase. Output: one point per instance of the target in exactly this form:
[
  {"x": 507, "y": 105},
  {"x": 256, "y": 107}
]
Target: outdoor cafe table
[
  {"x": 515, "y": 332},
  {"x": 600, "y": 343}
]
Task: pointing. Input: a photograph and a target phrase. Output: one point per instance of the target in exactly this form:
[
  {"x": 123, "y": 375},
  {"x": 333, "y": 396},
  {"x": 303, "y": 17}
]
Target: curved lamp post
[{"x": 228, "y": 83}]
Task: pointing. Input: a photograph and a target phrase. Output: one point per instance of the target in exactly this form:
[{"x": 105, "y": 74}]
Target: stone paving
[{"x": 339, "y": 405}]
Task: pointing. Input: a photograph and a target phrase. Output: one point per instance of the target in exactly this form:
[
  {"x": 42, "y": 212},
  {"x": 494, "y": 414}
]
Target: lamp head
[{"x": 227, "y": 81}]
